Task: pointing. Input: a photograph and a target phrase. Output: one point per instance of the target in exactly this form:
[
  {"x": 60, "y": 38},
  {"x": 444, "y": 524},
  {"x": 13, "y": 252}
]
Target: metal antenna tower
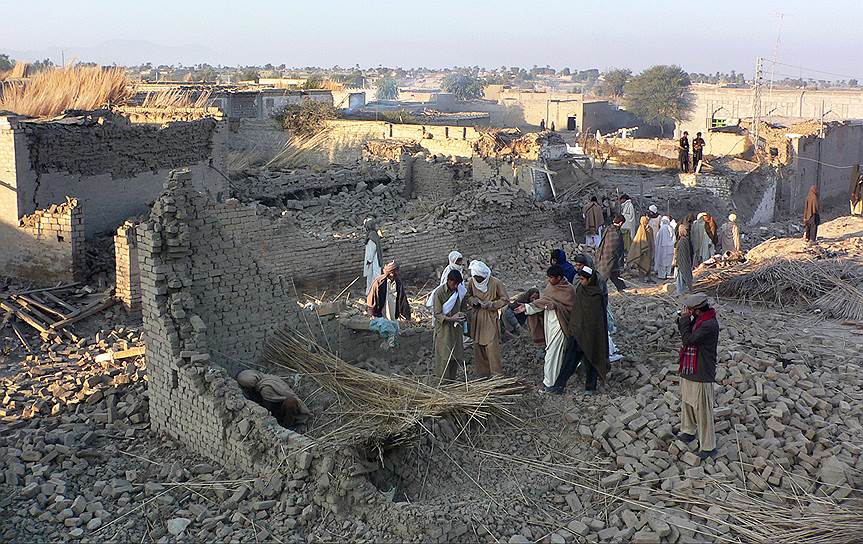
[{"x": 756, "y": 102}]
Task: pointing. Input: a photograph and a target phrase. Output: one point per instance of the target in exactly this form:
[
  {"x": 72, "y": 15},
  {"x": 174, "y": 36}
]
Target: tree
[
  {"x": 314, "y": 82},
  {"x": 659, "y": 93},
  {"x": 565, "y": 72},
  {"x": 6, "y": 63},
  {"x": 305, "y": 119},
  {"x": 388, "y": 89},
  {"x": 852, "y": 82},
  {"x": 614, "y": 80},
  {"x": 464, "y": 85},
  {"x": 250, "y": 74},
  {"x": 205, "y": 74}
]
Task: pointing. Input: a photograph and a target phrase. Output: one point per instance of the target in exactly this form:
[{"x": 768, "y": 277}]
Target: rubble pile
[
  {"x": 389, "y": 150},
  {"x": 512, "y": 143},
  {"x": 64, "y": 374},
  {"x": 274, "y": 187}
]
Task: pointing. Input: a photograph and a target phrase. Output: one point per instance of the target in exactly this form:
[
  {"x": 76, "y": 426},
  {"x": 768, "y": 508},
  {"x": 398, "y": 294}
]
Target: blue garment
[{"x": 568, "y": 269}]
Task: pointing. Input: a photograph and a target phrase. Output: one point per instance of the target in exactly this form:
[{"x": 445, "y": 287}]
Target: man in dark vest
[
  {"x": 699, "y": 335},
  {"x": 683, "y": 152}
]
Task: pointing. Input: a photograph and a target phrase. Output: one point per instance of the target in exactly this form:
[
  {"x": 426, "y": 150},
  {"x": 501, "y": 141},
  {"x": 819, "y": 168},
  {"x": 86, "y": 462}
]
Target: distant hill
[{"x": 124, "y": 52}]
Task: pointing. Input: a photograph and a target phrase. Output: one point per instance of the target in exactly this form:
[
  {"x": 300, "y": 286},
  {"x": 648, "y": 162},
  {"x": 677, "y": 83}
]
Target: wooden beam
[
  {"x": 31, "y": 301},
  {"x": 58, "y": 301},
  {"x": 25, "y": 317}
]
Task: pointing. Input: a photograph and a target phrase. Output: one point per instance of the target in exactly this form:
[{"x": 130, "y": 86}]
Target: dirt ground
[{"x": 577, "y": 468}]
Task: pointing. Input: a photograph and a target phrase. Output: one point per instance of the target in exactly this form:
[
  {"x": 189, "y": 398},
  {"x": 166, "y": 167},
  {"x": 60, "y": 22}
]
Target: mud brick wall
[
  {"x": 121, "y": 151},
  {"x": 718, "y": 185},
  {"x": 193, "y": 396},
  {"x": 113, "y": 167},
  {"x": 47, "y": 246},
  {"x": 433, "y": 180},
  {"x": 128, "y": 279},
  {"x": 503, "y": 172}
]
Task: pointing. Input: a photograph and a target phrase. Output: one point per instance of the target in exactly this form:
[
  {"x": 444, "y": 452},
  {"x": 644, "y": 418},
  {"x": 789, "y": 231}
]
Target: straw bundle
[
  {"x": 50, "y": 92},
  {"x": 176, "y": 99},
  {"x": 828, "y": 284},
  {"x": 380, "y": 411}
]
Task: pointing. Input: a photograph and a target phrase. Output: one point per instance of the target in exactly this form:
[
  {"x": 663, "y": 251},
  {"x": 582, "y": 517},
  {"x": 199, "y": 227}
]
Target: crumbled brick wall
[
  {"x": 502, "y": 172},
  {"x": 434, "y": 180},
  {"x": 128, "y": 280},
  {"x": 159, "y": 116},
  {"x": 47, "y": 245},
  {"x": 114, "y": 169},
  {"x": 718, "y": 185},
  {"x": 121, "y": 151},
  {"x": 193, "y": 397}
]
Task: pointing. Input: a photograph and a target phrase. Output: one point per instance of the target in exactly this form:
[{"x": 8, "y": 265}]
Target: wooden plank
[
  {"x": 21, "y": 338},
  {"x": 24, "y": 316},
  {"x": 131, "y": 352},
  {"x": 58, "y": 288},
  {"x": 33, "y": 310},
  {"x": 86, "y": 312},
  {"x": 58, "y": 301},
  {"x": 31, "y": 300}
]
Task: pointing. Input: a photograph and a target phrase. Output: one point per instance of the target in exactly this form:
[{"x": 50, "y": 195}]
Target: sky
[{"x": 719, "y": 35}]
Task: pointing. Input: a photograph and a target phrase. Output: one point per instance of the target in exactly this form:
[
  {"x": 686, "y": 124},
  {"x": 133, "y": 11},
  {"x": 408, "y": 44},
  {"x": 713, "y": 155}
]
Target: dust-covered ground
[{"x": 80, "y": 463}]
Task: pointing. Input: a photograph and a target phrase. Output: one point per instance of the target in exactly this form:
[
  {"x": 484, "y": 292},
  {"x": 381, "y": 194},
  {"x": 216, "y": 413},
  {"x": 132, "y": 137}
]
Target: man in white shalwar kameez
[
  {"x": 373, "y": 259},
  {"x": 664, "y": 248},
  {"x": 555, "y": 305},
  {"x": 456, "y": 262}
]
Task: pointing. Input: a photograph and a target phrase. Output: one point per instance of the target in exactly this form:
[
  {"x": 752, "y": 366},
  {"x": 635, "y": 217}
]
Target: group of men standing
[
  {"x": 655, "y": 244},
  {"x": 683, "y": 151},
  {"x": 569, "y": 319}
]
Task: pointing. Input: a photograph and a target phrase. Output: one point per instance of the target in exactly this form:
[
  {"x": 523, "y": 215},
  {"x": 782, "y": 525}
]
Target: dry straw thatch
[
  {"x": 49, "y": 93},
  {"x": 380, "y": 411},
  {"x": 833, "y": 285},
  {"x": 176, "y": 99}
]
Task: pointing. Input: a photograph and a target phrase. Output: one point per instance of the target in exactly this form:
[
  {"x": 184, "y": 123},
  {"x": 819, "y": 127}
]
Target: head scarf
[
  {"x": 701, "y": 215},
  {"x": 732, "y": 217},
  {"x": 479, "y": 268},
  {"x": 390, "y": 267},
  {"x": 453, "y": 257},
  {"x": 811, "y": 209},
  {"x": 568, "y": 270},
  {"x": 372, "y": 234}
]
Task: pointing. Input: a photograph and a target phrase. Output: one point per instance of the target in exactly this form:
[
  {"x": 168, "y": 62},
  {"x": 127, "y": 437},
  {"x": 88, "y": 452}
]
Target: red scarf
[{"x": 689, "y": 354}]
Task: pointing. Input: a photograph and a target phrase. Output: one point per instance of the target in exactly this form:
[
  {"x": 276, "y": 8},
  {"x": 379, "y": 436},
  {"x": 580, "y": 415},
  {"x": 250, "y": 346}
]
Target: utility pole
[{"x": 756, "y": 103}]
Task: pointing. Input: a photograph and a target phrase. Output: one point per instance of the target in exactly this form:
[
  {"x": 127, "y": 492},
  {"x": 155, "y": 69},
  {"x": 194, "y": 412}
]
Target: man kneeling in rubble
[{"x": 275, "y": 395}]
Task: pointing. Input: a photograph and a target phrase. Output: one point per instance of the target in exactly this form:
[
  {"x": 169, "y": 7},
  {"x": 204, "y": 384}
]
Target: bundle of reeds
[
  {"x": 176, "y": 99},
  {"x": 381, "y": 411},
  {"x": 778, "y": 516},
  {"x": 829, "y": 284},
  {"x": 49, "y": 93}
]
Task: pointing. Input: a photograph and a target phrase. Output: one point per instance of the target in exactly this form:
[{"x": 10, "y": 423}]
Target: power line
[{"x": 815, "y": 70}]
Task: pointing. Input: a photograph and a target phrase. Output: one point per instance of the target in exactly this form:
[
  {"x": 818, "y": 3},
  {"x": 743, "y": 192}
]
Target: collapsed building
[{"x": 68, "y": 179}]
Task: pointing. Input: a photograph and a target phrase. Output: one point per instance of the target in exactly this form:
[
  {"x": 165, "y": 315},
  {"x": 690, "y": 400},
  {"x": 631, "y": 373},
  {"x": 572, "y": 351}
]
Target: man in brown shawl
[
  {"x": 641, "y": 250},
  {"x": 593, "y": 221},
  {"x": 549, "y": 329},
  {"x": 856, "y": 196},
  {"x": 588, "y": 332},
  {"x": 486, "y": 295},
  {"x": 610, "y": 254},
  {"x": 450, "y": 312},
  {"x": 712, "y": 229},
  {"x": 811, "y": 215},
  {"x": 387, "y": 303},
  {"x": 683, "y": 260},
  {"x": 275, "y": 395}
]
